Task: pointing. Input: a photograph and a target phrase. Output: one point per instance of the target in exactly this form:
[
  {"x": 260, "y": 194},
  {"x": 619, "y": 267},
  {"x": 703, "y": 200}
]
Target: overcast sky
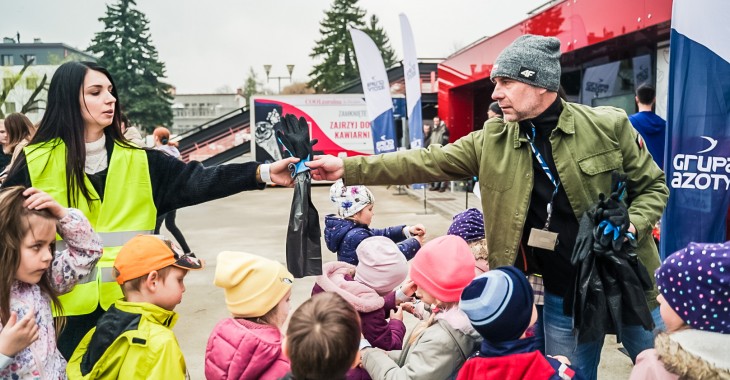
[{"x": 209, "y": 44}]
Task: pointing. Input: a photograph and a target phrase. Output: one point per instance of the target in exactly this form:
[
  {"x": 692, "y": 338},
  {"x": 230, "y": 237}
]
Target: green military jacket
[{"x": 588, "y": 144}]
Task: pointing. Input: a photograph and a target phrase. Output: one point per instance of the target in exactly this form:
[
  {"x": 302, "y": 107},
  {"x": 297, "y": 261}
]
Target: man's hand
[
  {"x": 16, "y": 335},
  {"x": 280, "y": 172},
  {"x": 327, "y": 168}
]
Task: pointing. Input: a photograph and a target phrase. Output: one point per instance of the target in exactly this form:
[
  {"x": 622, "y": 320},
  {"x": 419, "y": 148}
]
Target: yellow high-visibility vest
[{"x": 128, "y": 209}]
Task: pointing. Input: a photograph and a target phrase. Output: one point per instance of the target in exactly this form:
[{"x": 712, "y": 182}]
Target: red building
[{"x": 619, "y": 43}]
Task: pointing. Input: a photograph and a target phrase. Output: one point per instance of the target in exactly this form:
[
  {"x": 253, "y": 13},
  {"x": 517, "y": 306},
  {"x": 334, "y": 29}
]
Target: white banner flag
[
  {"x": 413, "y": 84},
  {"x": 376, "y": 87}
]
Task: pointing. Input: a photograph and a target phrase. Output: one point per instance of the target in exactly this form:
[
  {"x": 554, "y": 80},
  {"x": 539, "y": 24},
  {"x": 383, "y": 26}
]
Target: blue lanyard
[{"x": 547, "y": 171}]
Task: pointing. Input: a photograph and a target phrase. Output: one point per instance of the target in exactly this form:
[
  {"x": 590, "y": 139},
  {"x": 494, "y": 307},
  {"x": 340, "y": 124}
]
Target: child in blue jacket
[{"x": 355, "y": 210}]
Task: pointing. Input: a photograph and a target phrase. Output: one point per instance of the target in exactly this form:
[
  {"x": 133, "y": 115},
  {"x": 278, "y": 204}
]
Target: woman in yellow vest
[{"x": 80, "y": 157}]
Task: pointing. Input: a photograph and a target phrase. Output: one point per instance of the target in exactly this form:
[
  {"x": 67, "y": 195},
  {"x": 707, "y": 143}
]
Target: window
[
  {"x": 31, "y": 83},
  {"x": 7, "y": 82},
  {"x": 7, "y": 60},
  {"x": 9, "y": 107}
]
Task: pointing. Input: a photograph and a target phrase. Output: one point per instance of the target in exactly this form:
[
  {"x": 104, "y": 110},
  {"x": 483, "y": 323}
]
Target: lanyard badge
[{"x": 544, "y": 239}]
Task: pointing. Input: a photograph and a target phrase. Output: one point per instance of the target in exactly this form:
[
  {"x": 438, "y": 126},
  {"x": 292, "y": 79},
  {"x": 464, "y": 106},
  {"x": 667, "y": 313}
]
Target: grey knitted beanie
[{"x": 531, "y": 59}]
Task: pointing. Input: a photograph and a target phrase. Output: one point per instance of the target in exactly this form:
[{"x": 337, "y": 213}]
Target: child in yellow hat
[{"x": 248, "y": 345}]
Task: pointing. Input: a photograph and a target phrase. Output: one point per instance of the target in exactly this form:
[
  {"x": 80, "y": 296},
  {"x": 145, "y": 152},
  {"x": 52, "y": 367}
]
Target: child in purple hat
[
  {"x": 469, "y": 225},
  {"x": 694, "y": 298}
]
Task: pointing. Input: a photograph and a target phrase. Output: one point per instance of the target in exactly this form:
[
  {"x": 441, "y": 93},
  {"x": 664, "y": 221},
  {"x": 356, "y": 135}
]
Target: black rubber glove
[{"x": 293, "y": 135}]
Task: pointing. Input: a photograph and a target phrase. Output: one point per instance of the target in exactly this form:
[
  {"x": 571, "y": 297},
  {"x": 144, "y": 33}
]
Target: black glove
[
  {"x": 616, "y": 212},
  {"x": 613, "y": 208},
  {"x": 293, "y": 135}
]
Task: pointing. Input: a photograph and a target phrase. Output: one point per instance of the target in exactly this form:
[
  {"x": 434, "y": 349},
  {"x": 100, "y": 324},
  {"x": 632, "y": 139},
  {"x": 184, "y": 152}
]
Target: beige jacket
[{"x": 437, "y": 354}]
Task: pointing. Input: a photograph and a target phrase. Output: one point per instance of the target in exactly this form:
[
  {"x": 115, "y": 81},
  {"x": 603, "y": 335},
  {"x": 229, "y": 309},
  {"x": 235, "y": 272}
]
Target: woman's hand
[
  {"x": 281, "y": 173},
  {"x": 39, "y": 200}
]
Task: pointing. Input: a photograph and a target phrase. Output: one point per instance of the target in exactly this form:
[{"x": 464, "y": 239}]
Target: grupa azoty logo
[
  {"x": 385, "y": 144},
  {"x": 701, "y": 171}
]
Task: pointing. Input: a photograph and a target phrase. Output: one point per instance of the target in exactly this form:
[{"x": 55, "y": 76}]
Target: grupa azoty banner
[{"x": 697, "y": 158}]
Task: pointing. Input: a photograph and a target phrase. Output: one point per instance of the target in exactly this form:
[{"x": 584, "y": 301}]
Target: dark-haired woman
[
  {"x": 163, "y": 143},
  {"x": 80, "y": 157}
]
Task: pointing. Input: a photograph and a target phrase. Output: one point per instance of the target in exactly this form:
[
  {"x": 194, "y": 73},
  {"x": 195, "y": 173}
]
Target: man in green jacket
[{"x": 579, "y": 147}]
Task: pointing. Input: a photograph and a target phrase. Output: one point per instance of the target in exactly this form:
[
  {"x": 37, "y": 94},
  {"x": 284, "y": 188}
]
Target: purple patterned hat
[
  {"x": 468, "y": 225},
  {"x": 695, "y": 282}
]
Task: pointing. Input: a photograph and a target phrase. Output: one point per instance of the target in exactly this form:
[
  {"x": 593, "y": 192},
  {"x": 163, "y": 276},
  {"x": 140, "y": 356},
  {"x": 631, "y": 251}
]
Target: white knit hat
[{"x": 350, "y": 199}]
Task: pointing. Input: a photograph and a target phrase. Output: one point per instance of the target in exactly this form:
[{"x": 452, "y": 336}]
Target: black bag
[
  {"x": 303, "y": 244},
  {"x": 303, "y": 247}
]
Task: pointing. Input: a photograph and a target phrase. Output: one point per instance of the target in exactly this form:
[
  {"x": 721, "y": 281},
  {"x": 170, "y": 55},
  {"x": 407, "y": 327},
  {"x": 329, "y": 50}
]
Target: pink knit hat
[
  {"x": 381, "y": 266},
  {"x": 443, "y": 267}
]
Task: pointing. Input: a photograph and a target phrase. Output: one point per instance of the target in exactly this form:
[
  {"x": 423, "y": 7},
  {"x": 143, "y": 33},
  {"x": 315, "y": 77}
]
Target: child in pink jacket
[
  {"x": 694, "y": 302},
  {"x": 248, "y": 345},
  {"x": 29, "y": 220}
]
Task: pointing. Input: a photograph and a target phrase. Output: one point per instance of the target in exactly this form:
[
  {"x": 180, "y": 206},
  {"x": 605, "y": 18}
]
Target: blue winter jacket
[
  {"x": 343, "y": 236},
  {"x": 653, "y": 129}
]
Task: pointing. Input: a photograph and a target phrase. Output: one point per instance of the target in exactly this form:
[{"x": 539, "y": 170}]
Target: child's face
[
  {"x": 282, "y": 310},
  {"x": 365, "y": 216},
  {"x": 168, "y": 293},
  {"x": 36, "y": 249},
  {"x": 672, "y": 320}
]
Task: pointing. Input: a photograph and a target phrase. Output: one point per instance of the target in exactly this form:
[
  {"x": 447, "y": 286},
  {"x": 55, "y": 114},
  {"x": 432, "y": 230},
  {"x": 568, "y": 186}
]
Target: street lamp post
[{"x": 267, "y": 69}]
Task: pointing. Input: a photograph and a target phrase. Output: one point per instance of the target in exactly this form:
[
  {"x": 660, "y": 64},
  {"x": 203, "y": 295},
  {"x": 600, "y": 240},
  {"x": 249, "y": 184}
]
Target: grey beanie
[{"x": 531, "y": 59}]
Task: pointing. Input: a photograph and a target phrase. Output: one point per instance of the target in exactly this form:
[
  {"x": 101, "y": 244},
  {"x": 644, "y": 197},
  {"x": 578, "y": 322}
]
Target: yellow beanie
[{"x": 253, "y": 285}]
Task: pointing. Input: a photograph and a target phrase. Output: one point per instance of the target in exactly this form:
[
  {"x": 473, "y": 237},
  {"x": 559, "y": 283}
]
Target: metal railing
[{"x": 216, "y": 136}]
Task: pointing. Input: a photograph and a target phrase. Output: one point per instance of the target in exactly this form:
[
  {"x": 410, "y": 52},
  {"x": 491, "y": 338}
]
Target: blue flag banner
[
  {"x": 697, "y": 158},
  {"x": 376, "y": 87},
  {"x": 415, "y": 126},
  {"x": 413, "y": 84}
]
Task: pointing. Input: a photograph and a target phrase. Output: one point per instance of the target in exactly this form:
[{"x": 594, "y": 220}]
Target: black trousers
[{"x": 169, "y": 219}]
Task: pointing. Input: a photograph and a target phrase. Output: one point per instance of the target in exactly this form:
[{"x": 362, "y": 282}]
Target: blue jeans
[
  {"x": 584, "y": 357},
  {"x": 540, "y": 328}
]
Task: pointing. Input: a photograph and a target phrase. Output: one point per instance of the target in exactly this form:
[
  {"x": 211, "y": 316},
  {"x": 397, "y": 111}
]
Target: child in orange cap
[{"x": 134, "y": 338}]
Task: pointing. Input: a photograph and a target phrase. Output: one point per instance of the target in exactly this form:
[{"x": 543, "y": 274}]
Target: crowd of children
[{"x": 475, "y": 323}]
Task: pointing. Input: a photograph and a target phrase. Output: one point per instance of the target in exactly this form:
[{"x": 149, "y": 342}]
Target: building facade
[
  {"x": 193, "y": 110},
  {"x": 44, "y": 59}
]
